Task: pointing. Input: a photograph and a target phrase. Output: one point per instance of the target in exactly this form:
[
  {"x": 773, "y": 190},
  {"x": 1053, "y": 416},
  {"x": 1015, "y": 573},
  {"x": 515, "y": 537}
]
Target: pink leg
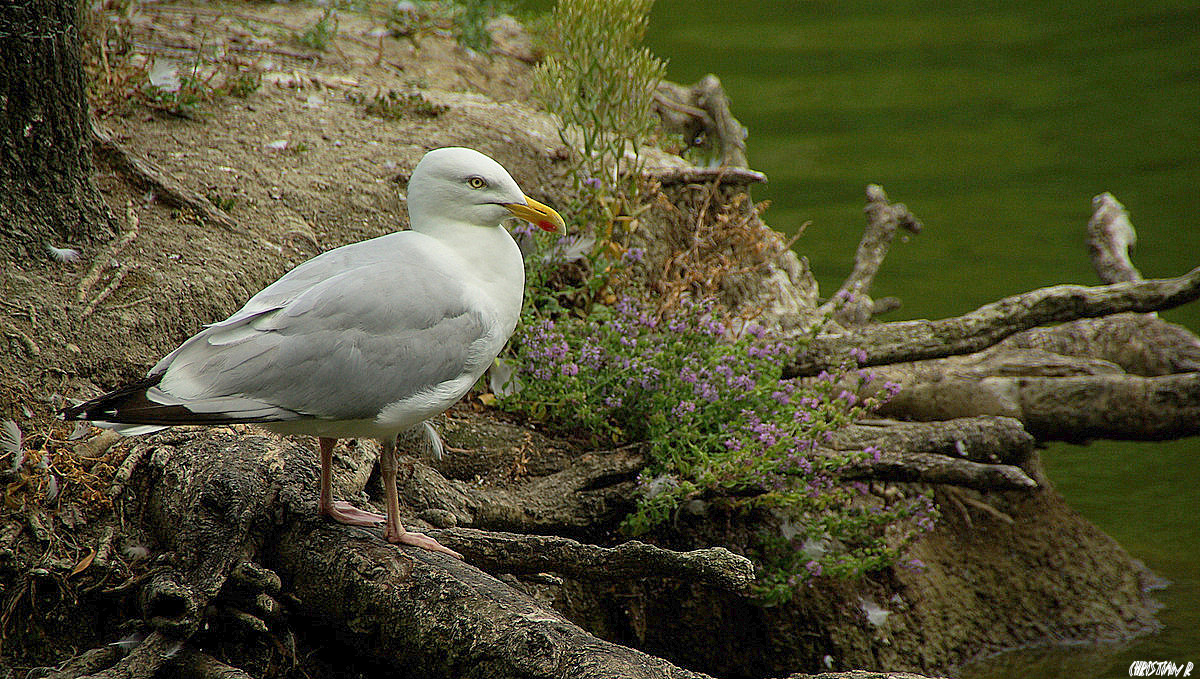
[
  {"x": 393, "y": 532},
  {"x": 342, "y": 512}
]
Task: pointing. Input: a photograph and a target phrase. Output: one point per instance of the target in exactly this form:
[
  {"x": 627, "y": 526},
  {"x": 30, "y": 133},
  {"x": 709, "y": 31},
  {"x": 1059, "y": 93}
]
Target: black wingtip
[{"x": 107, "y": 407}]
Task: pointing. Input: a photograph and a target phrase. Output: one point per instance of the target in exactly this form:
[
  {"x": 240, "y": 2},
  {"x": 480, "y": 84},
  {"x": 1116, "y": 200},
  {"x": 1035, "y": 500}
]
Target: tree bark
[
  {"x": 47, "y": 197},
  {"x": 903, "y": 341}
]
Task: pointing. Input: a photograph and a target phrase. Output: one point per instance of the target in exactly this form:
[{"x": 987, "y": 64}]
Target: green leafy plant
[
  {"x": 321, "y": 33},
  {"x": 599, "y": 81},
  {"x": 394, "y": 105},
  {"x": 470, "y": 25},
  {"x": 242, "y": 84}
]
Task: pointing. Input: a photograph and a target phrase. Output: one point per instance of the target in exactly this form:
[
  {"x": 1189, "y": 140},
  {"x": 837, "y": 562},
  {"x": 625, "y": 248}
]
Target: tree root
[
  {"x": 518, "y": 554},
  {"x": 439, "y": 617},
  {"x": 1140, "y": 344},
  {"x": 1111, "y": 407},
  {"x": 143, "y": 662},
  {"x": 704, "y": 175},
  {"x": 939, "y": 469},
  {"x": 593, "y": 491},
  {"x": 214, "y": 496},
  {"x": 985, "y": 439},
  {"x": 982, "y": 453},
  {"x": 193, "y": 664},
  {"x": 1110, "y": 235},
  {"x": 166, "y": 188},
  {"x": 905, "y": 341}
]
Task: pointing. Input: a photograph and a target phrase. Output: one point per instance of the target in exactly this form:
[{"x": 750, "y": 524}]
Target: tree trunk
[{"x": 46, "y": 192}]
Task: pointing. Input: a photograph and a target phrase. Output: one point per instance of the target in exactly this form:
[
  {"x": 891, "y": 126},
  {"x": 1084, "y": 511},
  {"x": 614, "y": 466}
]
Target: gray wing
[
  {"x": 325, "y": 265},
  {"x": 344, "y": 348}
]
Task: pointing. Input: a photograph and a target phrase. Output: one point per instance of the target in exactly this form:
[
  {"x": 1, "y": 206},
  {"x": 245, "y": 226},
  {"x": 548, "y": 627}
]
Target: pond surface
[{"x": 996, "y": 123}]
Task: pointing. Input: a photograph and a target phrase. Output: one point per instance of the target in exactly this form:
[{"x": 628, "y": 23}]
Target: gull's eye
[{"x": 477, "y": 183}]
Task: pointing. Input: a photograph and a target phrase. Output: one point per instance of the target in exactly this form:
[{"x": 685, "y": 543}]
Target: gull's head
[{"x": 464, "y": 186}]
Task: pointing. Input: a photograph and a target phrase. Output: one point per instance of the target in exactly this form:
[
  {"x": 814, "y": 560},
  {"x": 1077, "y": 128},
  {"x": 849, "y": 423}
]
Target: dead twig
[
  {"x": 93, "y": 275},
  {"x": 851, "y": 305}
]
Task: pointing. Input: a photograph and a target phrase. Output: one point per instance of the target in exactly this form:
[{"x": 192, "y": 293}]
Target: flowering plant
[{"x": 718, "y": 422}]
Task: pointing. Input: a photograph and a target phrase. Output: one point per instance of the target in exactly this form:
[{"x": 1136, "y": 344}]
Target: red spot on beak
[{"x": 547, "y": 226}]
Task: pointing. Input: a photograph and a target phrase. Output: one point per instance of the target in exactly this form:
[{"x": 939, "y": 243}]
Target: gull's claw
[
  {"x": 344, "y": 512},
  {"x": 407, "y": 537}
]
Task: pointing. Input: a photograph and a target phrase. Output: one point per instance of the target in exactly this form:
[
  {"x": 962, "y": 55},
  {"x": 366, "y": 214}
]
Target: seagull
[{"x": 364, "y": 341}]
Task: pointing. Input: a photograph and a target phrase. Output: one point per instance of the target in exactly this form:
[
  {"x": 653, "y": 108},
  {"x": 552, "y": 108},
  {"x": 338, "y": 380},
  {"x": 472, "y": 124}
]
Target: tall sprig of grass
[{"x": 599, "y": 81}]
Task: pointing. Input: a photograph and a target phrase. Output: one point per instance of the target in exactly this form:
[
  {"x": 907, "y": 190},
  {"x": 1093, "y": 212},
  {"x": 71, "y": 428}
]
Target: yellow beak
[{"x": 535, "y": 213}]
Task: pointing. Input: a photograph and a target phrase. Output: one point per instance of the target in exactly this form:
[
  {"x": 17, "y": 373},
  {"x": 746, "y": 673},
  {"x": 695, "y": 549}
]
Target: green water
[{"x": 996, "y": 123}]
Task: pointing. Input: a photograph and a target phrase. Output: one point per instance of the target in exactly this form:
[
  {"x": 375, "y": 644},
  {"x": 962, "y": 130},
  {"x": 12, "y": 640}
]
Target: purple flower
[
  {"x": 523, "y": 228},
  {"x": 712, "y": 326},
  {"x": 612, "y": 401},
  {"x": 706, "y": 391},
  {"x": 849, "y": 398},
  {"x": 874, "y": 452},
  {"x": 589, "y": 354},
  {"x": 859, "y": 355},
  {"x": 633, "y": 255},
  {"x": 569, "y": 369},
  {"x": 742, "y": 382},
  {"x": 813, "y": 567},
  {"x": 683, "y": 407}
]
